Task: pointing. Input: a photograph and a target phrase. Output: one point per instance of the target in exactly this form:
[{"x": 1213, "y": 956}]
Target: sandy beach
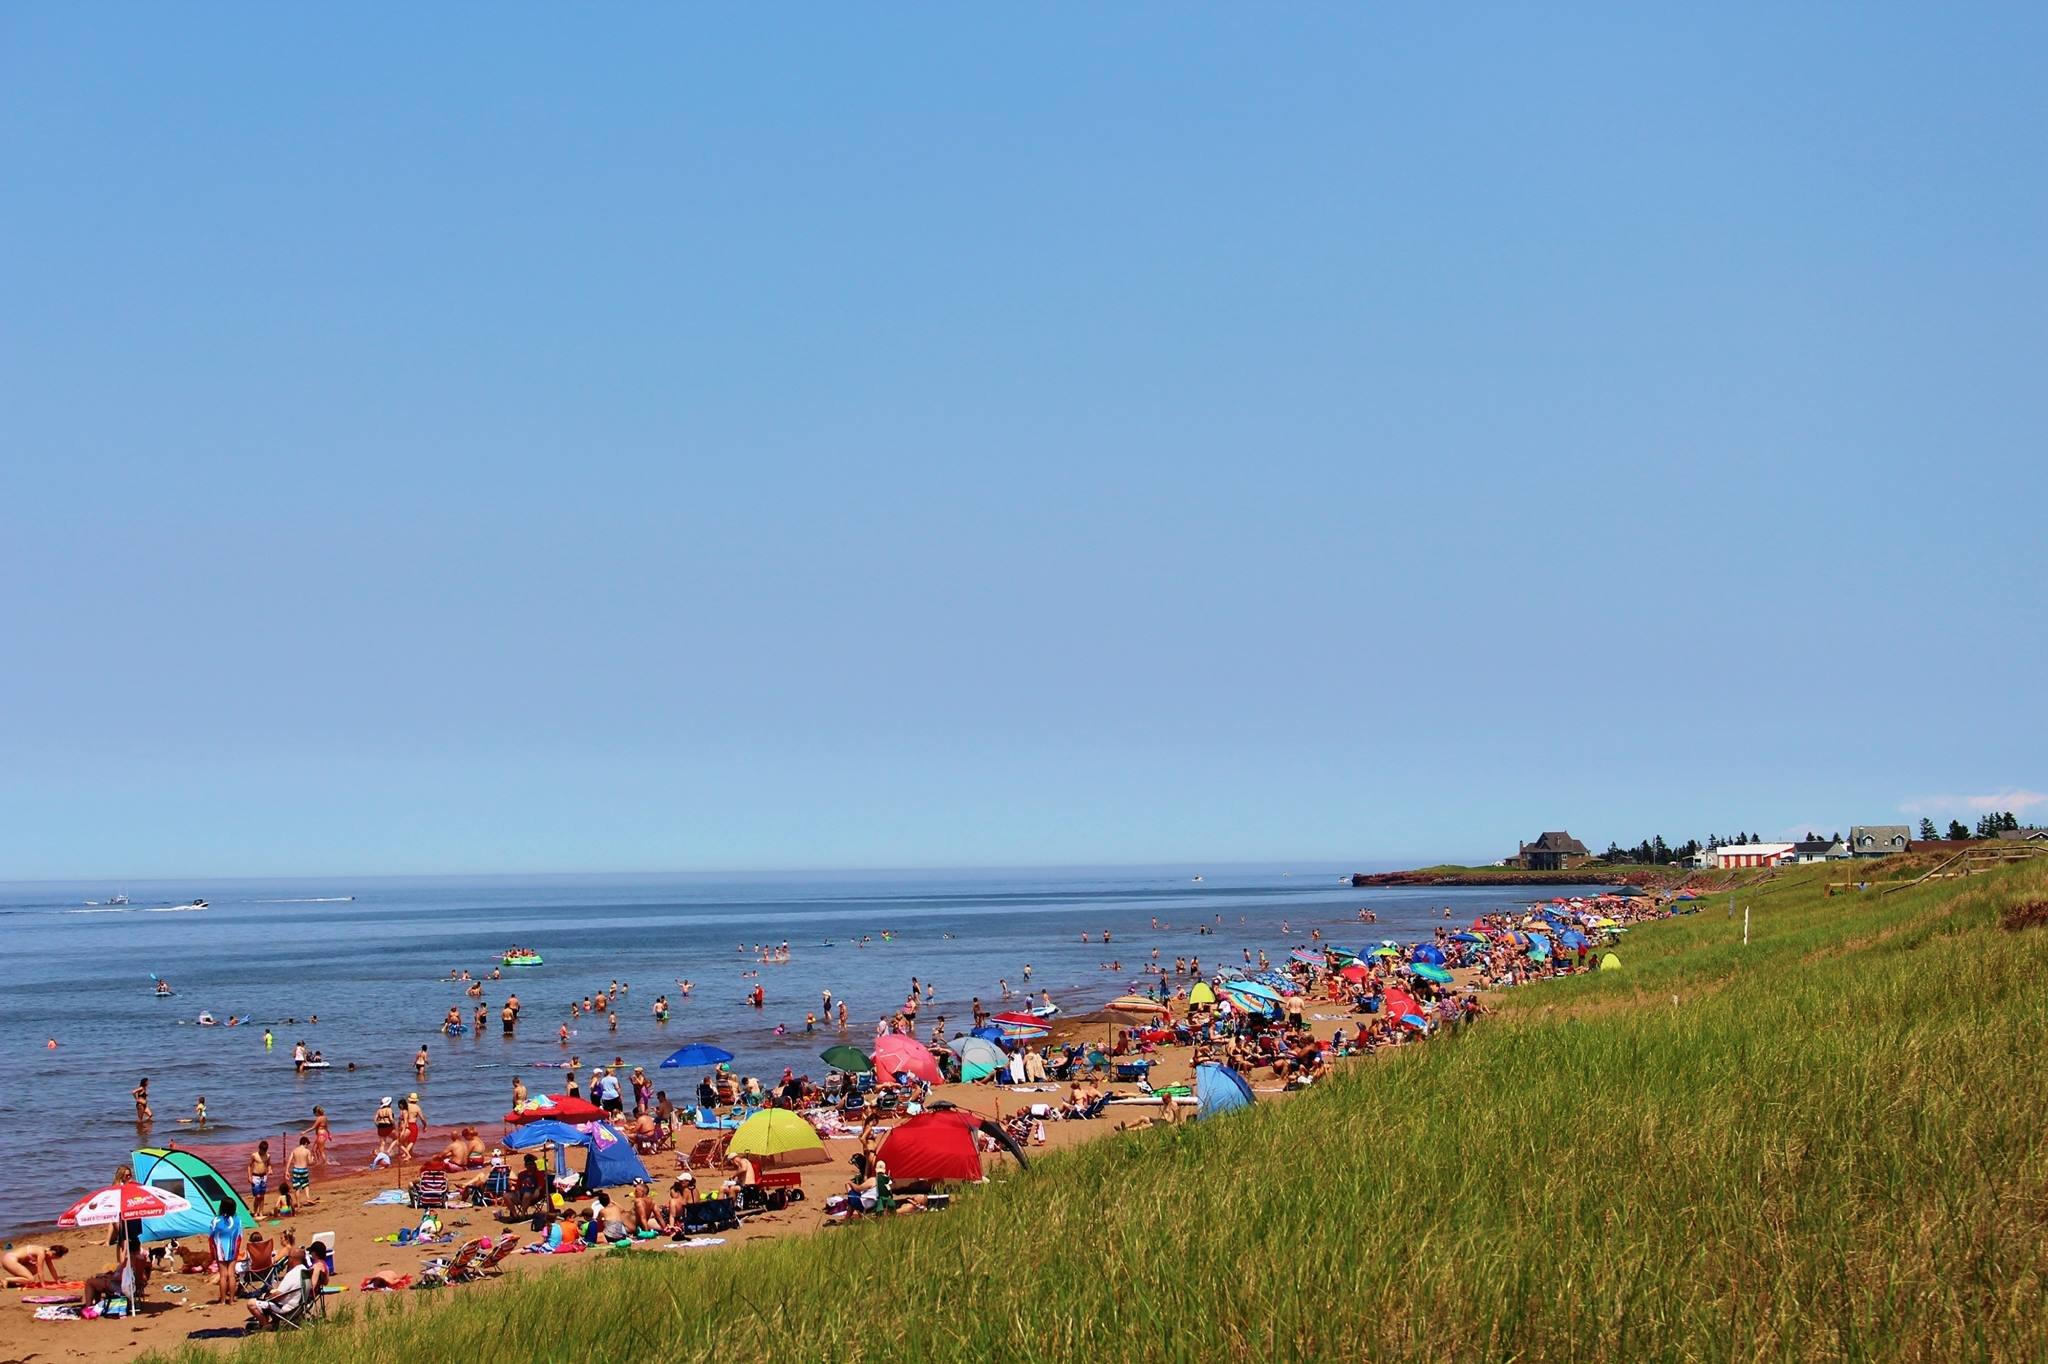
[{"x": 180, "y": 1309}]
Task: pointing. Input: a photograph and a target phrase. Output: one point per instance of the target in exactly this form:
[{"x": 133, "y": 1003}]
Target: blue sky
[{"x": 505, "y": 438}]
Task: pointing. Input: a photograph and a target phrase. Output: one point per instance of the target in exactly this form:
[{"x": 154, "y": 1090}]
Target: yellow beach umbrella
[
  {"x": 1201, "y": 994},
  {"x": 777, "y": 1139}
]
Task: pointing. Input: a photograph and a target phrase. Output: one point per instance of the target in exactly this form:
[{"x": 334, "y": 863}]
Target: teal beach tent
[{"x": 192, "y": 1179}]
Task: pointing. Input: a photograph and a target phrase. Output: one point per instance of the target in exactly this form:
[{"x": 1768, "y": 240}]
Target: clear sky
[{"x": 508, "y": 437}]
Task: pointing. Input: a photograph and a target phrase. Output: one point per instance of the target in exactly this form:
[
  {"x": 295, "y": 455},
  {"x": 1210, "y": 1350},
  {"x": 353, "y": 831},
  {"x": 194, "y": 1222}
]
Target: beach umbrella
[
  {"x": 935, "y": 1145},
  {"x": 1258, "y": 989},
  {"x": 1433, "y": 973},
  {"x": 1018, "y": 1021},
  {"x": 896, "y": 1054},
  {"x": 544, "y": 1132},
  {"x": 1384, "y": 952},
  {"x": 843, "y": 1057},
  {"x": 695, "y": 1055},
  {"x": 777, "y": 1139},
  {"x": 1307, "y": 958},
  {"x": 1137, "y": 1005},
  {"x": 1430, "y": 953},
  {"x": 1201, "y": 994},
  {"x": 1467, "y": 936},
  {"x": 121, "y": 1203},
  {"x": 560, "y": 1107},
  {"x": 1219, "y": 1089},
  {"x": 1355, "y": 973},
  {"x": 1019, "y": 1032},
  {"x": 1416, "y": 1021},
  {"x": 979, "y": 1057}
]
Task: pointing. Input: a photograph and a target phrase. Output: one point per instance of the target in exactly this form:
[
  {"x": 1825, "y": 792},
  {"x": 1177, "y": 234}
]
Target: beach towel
[
  {"x": 387, "y": 1197},
  {"x": 59, "y": 1314},
  {"x": 696, "y": 1243}
]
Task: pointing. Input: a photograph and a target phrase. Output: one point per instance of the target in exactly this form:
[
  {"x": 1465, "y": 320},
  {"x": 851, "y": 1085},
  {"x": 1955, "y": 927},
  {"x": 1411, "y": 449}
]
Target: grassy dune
[{"x": 1827, "y": 1144}]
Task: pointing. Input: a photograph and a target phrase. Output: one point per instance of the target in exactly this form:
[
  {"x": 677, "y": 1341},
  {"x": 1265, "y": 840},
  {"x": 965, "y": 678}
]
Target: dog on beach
[{"x": 193, "y": 1261}]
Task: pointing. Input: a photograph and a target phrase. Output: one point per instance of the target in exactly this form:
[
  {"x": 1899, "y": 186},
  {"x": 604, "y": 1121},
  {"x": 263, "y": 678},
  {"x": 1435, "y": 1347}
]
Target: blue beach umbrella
[
  {"x": 1430, "y": 953},
  {"x": 1416, "y": 1021},
  {"x": 1467, "y": 936},
  {"x": 697, "y": 1054},
  {"x": 1219, "y": 1089},
  {"x": 544, "y": 1132}
]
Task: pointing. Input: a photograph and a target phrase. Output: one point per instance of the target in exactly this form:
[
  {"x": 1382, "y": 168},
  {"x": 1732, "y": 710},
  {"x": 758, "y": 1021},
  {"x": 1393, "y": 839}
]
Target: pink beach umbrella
[{"x": 896, "y": 1053}]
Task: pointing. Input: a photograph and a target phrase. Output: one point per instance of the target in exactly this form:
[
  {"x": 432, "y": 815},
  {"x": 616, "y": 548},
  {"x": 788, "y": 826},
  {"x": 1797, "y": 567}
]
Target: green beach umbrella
[
  {"x": 1428, "y": 972},
  {"x": 843, "y": 1057},
  {"x": 1385, "y": 952}
]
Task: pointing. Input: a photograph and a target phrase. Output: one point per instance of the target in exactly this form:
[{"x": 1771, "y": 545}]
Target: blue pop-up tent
[
  {"x": 611, "y": 1161},
  {"x": 1219, "y": 1089}
]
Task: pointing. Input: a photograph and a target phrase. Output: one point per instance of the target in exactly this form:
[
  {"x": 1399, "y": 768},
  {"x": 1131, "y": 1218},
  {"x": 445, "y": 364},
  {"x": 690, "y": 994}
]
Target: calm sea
[{"x": 374, "y": 969}]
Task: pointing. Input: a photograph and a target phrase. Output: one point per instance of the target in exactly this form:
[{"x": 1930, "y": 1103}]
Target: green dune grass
[{"x": 1827, "y": 1144}]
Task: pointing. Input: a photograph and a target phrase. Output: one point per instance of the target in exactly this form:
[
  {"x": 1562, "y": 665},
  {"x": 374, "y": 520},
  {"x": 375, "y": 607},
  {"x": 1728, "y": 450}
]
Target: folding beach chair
[
  {"x": 455, "y": 1270},
  {"x": 485, "y": 1264},
  {"x": 430, "y": 1190}
]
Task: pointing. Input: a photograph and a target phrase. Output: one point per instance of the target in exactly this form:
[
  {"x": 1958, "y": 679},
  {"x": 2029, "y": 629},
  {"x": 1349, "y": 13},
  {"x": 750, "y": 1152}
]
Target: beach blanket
[
  {"x": 696, "y": 1243},
  {"x": 384, "y": 1199},
  {"x": 59, "y": 1314}
]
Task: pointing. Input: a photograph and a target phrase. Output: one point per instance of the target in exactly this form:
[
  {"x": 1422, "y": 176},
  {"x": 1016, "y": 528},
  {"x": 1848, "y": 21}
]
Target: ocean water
[{"x": 374, "y": 969}]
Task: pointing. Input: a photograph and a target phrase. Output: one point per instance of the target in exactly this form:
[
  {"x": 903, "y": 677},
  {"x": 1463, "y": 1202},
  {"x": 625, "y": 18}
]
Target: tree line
[{"x": 1988, "y": 826}]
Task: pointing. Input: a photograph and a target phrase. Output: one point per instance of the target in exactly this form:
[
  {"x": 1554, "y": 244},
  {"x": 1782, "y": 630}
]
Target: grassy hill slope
[{"x": 1826, "y": 1144}]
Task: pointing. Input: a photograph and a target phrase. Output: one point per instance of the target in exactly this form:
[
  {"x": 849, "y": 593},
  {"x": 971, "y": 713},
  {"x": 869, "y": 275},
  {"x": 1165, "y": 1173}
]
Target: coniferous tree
[{"x": 1927, "y": 833}]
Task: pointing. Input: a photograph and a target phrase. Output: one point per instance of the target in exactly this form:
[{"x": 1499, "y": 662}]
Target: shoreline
[{"x": 340, "y": 1208}]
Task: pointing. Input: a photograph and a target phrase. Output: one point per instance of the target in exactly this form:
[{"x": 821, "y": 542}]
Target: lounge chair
[
  {"x": 455, "y": 1270},
  {"x": 708, "y": 1154},
  {"x": 489, "y": 1263},
  {"x": 430, "y": 1190}
]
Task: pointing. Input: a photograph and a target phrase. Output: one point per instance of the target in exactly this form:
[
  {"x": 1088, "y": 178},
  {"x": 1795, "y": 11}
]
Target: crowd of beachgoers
[{"x": 902, "y": 1116}]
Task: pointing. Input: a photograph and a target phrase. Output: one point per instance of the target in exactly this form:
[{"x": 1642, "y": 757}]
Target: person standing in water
[
  {"x": 143, "y": 1114},
  {"x": 419, "y": 1062}
]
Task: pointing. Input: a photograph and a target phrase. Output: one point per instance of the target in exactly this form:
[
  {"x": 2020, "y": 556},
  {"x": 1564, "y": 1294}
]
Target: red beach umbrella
[
  {"x": 897, "y": 1053},
  {"x": 1354, "y": 973},
  {"x": 934, "y": 1145},
  {"x": 1018, "y": 1020},
  {"x": 121, "y": 1203},
  {"x": 560, "y": 1107}
]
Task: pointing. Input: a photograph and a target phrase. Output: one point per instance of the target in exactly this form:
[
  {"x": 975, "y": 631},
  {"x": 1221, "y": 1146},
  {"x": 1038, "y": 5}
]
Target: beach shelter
[
  {"x": 611, "y": 1161},
  {"x": 777, "y": 1139},
  {"x": 1219, "y": 1089},
  {"x": 560, "y": 1107},
  {"x": 192, "y": 1179},
  {"x": 895, "y": 1054},
  {"x": 843, "y": 1057},
  {"x": 695, "y": 1055},
  {"x": 1430, "y": 953},
  {"x": 979, "y": 1058},
  {"x": 1201, "y": 994},
  {"x": 1610, "y": 962},
  {"x": 939, "y": 1145},
  {"x": 1433, "y": 973}
]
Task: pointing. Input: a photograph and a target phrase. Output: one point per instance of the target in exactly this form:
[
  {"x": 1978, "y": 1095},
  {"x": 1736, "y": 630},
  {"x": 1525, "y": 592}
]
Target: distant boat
[
  {"x": 1198, "y": 878},
  {"x": 119, "y": 899}
]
